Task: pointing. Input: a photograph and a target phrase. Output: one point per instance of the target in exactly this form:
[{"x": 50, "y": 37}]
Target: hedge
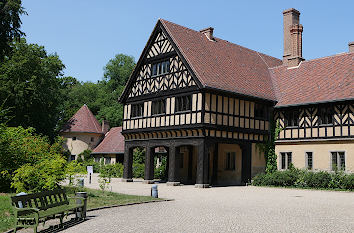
[{"x": 306, "y": 179}]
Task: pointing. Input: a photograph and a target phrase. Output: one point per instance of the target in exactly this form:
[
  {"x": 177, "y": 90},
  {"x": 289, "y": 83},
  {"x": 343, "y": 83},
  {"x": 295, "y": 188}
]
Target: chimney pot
[
  {"x": 208, "y": 32},
  {"x": 351, "y": 47}
]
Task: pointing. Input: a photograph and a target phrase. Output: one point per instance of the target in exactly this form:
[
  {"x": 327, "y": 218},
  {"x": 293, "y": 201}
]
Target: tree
[
  {"x": 30, "y": 87},
  {"x": 101, "y": 97},
  {"x": 118, "y": 70},
  {"x": 10, "y": 23},
  {"x": 116, "y": 74}
]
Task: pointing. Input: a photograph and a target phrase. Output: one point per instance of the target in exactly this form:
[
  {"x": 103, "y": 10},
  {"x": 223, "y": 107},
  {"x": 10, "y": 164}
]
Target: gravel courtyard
[{"x": 225, "y": 209}]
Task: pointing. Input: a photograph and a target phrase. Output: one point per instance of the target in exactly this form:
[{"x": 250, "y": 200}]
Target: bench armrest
[{"x": 28, "y": 210}]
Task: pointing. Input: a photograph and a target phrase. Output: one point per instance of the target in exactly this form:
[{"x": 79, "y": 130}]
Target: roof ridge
[{"x": 226, "y": 41}]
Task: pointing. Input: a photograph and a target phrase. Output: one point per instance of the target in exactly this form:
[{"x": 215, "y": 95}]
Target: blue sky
[{"x": 87, "y": 33}]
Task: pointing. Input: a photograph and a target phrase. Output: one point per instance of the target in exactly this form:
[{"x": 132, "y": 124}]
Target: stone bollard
[
  {"x": 154, "y": 191},
  {"x": 79, "y": 201}
]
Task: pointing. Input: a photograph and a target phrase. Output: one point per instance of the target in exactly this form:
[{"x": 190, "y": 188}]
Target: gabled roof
[
  {"x": 223, "y": 65},
  {"x": 229, "y": 67},
  {"x": 113, "y": 142},
  {"x": 319, "y": 80},
  {"x": 83, "y": 121}
]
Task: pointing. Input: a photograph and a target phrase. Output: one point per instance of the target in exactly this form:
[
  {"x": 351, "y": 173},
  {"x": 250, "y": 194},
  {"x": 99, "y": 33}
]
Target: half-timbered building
[{"x": 209, "y": 102}]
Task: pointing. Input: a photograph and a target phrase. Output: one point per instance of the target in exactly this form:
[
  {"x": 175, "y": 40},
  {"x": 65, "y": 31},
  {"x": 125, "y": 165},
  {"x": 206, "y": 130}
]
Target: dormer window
[{"x": 159, "y": 68}]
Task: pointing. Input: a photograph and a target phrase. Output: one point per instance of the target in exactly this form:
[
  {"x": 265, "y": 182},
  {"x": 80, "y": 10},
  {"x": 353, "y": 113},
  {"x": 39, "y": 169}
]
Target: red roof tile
[
  {"x": 83, "y": 121},
  {"x": 223, "y": 65},
  {"x": 112, "y": 143},
  {"x": 319, "y": 80}
]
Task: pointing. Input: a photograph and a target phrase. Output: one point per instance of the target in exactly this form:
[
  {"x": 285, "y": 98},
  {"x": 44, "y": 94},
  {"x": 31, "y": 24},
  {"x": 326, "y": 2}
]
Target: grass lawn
[{"x": 96, "y": 198}]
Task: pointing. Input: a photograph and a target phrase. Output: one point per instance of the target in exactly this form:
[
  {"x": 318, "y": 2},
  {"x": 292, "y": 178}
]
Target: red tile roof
[
  {"x": 83, "y": 121},
  {"x": 113, "y": 142},
  {"x": 223, "y": 65},
  {"x": 319, "y": 80}
]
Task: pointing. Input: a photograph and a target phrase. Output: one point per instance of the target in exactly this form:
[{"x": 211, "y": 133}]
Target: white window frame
[
  {"x": 307, "y": 160},
  {"x": 338, "y": 160},
  {"x": 286, "y": 159}
]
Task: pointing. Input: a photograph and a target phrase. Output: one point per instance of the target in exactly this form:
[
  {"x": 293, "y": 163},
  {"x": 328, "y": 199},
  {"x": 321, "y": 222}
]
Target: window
[
  {"x": 72, "y": 157},
  {"x": 107, "y": 160},
  {"x": 74, "y": 138},
  {"x": 137, "y": 110},
  {"x": 286, "y": 160},
  {"x": 158, "y": 107},
  {"x": 260, "y": 111},
  {"x": 160, "y": 68},
  {"x": 325, "y": 115},
  {"x": 338, "y": 161},
  {"x": 92, "y": 139},
  {"x": 230, "y": 160},
  {"x": 97, "y": 159},
  {"x": 309, "y": 160},
  {"x": 291, "y": 118},
  {"x": 183, "y": 103}
]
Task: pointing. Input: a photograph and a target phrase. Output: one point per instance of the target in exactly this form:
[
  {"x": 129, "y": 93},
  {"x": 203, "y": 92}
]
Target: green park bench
[{"x": 32, "y": 209}]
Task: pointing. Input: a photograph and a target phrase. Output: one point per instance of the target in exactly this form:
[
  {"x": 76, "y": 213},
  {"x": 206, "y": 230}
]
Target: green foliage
[
  {"x": 44, "y": 175},
  {"x": 139, "y": 155},
  {"x": 73, "y": 169},
  {"x": 118, "y": 70},
  {"x": 91, "y": 162},
  {"x": 112, "y": 170},
  {"x": 86, "y": 155},
  {"x": 160, "y": 172},
  {"x": 100, "y": 97},
  {"x": 269, "y": 148},
  {"x": 10, "y": 23},
  {"x": 30, "y": 87},
  {"x": 306, "y": 179},
  {"x": 19, "y": 146},
  {"x": 138, "y": 170}
]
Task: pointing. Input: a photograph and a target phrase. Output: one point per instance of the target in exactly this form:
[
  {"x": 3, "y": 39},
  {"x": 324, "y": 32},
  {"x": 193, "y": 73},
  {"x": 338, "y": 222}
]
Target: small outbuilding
[{"x": 111, "y": 149}]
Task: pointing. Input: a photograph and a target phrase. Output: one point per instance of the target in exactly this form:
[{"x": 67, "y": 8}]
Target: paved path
[{"x": 225, "y": 209}]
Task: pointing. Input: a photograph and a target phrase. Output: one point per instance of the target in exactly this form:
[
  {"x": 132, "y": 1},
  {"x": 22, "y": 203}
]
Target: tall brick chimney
[
  {"x": 292, "y": 37},
  {"x": 208, "y": 32},
  {"x": 351, "y": 47}
]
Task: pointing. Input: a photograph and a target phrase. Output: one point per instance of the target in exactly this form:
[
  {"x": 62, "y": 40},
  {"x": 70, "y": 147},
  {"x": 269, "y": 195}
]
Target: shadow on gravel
[{"x": 66, "y": 225}]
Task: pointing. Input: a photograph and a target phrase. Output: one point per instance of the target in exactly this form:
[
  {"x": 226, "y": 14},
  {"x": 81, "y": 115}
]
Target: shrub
[
  {"x": 317, "y": 179},
  {"x": 112, "y": 170},
  {"x": 160, "y": 172},
  {"x": 74, "y": 168},
  {"x": 45, "y": 175},
  {"x": 138, "y": 170},
  {"x": 348, "y": 182},
  {"x": 19, "y": 146}
]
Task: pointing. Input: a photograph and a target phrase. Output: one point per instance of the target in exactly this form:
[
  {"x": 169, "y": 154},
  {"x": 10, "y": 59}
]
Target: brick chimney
[
  {"x": 292, "y": 37},
  {"x": 351, "y": 47},
  {"x": 208, "y": 32},
  {"x": 105, "y": 126}
]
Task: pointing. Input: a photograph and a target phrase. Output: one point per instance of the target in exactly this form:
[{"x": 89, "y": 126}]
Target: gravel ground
[{"x": 224, "y": 209}]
